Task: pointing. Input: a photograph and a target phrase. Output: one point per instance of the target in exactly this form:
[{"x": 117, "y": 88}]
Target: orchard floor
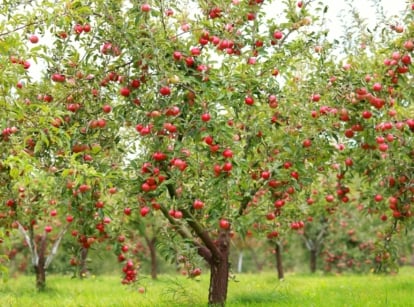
[{"x": 245, "y": 290}]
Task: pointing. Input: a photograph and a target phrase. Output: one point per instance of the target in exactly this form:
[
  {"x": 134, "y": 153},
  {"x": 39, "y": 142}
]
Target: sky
[{"x": 336, "y": 8}]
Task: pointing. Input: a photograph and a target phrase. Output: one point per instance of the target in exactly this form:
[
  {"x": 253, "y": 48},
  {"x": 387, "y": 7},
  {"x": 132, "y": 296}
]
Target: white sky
[{"x": 392, "y": 9}]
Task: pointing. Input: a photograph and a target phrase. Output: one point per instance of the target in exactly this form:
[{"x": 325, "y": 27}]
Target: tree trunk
[
  {"x": 39, "y": 267},
  {"x": 40, "y": 277},
  {"x": 219, "y": 272},
  {"x": 153, "y": 255},
  {"x": 83, "y": 269},
  {"x": 313, "y": 259},
  {"x": 279, "y": 263}
]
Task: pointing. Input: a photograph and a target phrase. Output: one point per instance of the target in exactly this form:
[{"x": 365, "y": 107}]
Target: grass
[{"x": 246, "y": 290}]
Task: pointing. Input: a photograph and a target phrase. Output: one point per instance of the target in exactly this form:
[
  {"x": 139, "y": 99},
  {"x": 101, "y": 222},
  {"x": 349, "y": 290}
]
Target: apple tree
[{"x": 57, "y": 165}]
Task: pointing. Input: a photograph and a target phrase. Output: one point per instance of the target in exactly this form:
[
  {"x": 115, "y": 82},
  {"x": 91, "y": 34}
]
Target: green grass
[{"x": 246, "y": 290}]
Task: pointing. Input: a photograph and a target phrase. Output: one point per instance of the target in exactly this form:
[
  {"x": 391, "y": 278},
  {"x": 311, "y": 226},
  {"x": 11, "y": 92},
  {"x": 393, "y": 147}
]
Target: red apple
[
  {"x": 86, "y": 28},
  {"x": 144, "y": 211},
  {"x": 224, "y": 224},
  {"x": 165, "y": 91},
  {"x": 249, "y": 100},
  {"x": 145, "y": 7},
  {"x": 205, "y": 117},
  {"x": 106, "y": 108},
  {"x": 277, "y": 35},
  {"x": 127, "y": 211},
  {"x": 125, "y": 91},
  {"x": 198, "y": 204},
  {"x": 34, "y": 39}
]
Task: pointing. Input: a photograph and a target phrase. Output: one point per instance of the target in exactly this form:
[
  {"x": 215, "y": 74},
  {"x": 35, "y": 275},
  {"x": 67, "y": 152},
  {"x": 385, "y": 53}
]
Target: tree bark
[
  {"x": 39, "y": 266},
  {"x": 219, "y": 271},
  {"x": 279, "y": 263},
  {"x": 83, "y": 269},
  {"x": 313, "y": 259},
  {"x": 153, "y": 255}
]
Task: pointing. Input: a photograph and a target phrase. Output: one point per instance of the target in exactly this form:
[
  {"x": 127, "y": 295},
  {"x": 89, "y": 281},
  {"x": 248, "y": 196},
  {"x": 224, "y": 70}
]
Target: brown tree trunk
[
  {"x": 83, "y": 269},
  {"x": 153, "y": 255},
  {"x": 279, "y": 263},
  {"x": 40, "y": 277},
  {"x": 219, "y": 272},
  {"x": 313, "y": 259},
  {"x": 39, "y": 267}
]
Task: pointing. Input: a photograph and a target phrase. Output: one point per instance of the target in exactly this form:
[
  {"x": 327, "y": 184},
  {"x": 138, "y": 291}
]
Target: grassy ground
[{"x": 246, "y": 290}]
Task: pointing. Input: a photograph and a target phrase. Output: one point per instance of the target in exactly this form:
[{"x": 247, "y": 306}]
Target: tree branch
[
  {"x": 33, "y": 252},
  {"x": 199, "y": 230},
  {"x": 55, "y": 247},
  {"x": 21, "y": 27}
]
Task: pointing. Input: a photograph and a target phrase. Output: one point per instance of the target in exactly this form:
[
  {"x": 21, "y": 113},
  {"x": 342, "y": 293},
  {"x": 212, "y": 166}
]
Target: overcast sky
[{"x": 392, "y": 9}]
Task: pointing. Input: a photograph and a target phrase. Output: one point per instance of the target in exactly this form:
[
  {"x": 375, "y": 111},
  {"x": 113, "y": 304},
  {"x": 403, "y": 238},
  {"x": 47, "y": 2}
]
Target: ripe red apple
[
  {"x": 135, "y": 83},
  {"x": 178, "y": 214},
  {"x": 83, "y": 188},
  {"x": 58, "y": 77},
  {"x": 349, "y": 162},
  {"x": 265, "y": 175},
  {"x": 69, "y": 218},
  {"x": 228, "y": 153},
  {"x": 377, "y": 87},
  {"x": 165, "y": 91},
  {"x": 224, "y": 224},
  {"x": 86, "y": 28},
  {"x": 195, "y": 51},
  {"x": 144, "y": 211},
  {"x": 378, "y": 197},
  {"x": 383, "y": 147},
  {"x": 277, "y": 35},
  {"x": 227, "y": 167},
  {"x": 125, "y": 248},
  {"x": 78, "y": 29},
  {"x": 106, "y": 108},
  {"x": 307, "y": 143},
  {"x": 196, "y": 272},
  {"x": 145, "y": 7},
  {"x": 205, "y": 117},
  {"x": 127, "y": 211},
  {"x": 125, "y": 91},
  {"x": 198, "y": 204},
  {"x": 99, "y": 204},
  {"x": 34, "y": 39},
  {"x": 249, "y": 100},
  {"x": 48, "y": 228},
  {"x": 177, "y": 55}
]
